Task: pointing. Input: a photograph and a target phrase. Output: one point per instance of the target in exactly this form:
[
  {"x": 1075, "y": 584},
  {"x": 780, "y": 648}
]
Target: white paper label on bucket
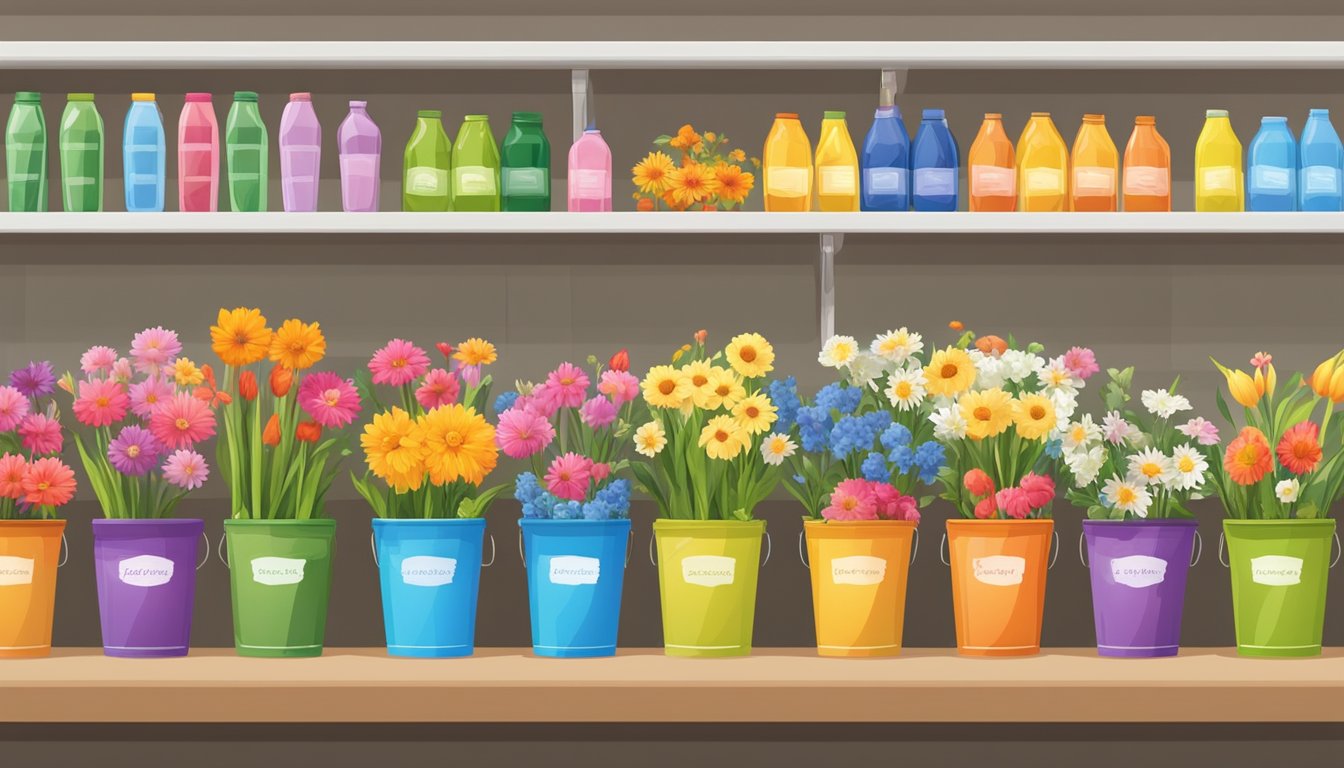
[
  {"x": 858, "y": 570},
  {"x": 573, "y": 570},
  {"x": 1276, "y": 570},
  {"x": 145, "y": 571},
  {"x": 277, "y": 571},
  {"x": 15, "y": 570},
  {"x": 428, "y": 571},
  {"x": 999, "y": 570},
  {"x": 708, "y": 570},
  {"x": 1138, "y": 571}
]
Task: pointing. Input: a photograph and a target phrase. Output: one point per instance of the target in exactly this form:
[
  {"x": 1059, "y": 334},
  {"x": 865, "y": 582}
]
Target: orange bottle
[
  {"x": 1147, "y": 168},
  {"x": 1096, "y": 167},
  {"x": 991, "y": 168}
]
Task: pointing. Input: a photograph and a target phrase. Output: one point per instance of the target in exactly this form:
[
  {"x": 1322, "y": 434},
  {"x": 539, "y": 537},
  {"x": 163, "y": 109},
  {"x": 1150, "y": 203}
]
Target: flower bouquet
[
  {"x": 708, "y": 176},
  {"x": 34, "y": 483},
  {"x": 706, "y": 470},
  {"x": 427, "y": 457}
]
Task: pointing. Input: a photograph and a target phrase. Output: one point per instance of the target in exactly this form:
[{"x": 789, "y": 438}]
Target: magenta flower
[
  {"x": 34, "y": 379},
  {"x": 892, "y": 504},
  {"x": 98, "y": 360},
  {"x": 1081, "y": 361},
  {"x": 567, "y": 386},
  {"x": 598, "y": 412},
  {"x": 186, "y": 470},
  {"x": 1200, "y": 430},
  {"x": 182, "y": 422},
  {"x": 1040, "y": 489},
  {"x": 41, "y": 434},
  {"x": 148, "y": 395},
  {"x": 522, "y": 433},
  {"x": 620, "y": 386},
  {"x": 13, "y": 407},
  {"x": 332, "y": 401},
  {"x": 852, "y": 500},
  {"x": 399, "y": 363},
  {"x": 567, "y": 477},
  {"x": 440, "y": 387},
  {"x": 600, "y": 471},
  {"x": 155, "y": 348},
  {"x": 1014, "y": 502},
  {"x": 101, "y": 402},
  {"x": 135, "y": 451}
]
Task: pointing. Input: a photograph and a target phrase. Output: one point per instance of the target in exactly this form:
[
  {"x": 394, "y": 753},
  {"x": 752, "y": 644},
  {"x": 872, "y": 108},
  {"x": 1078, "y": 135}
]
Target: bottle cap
[
  {"x": 245, "y": 96},
  {"x": 478, "y": 118},
  {"x": 891, "y": 111},
  {"x": 142, "y": 97},
  {"x": 28, "y": 97},
  {"x": 301, "y": 96},
  {"x": 204, "y": 97},
  {"x": 359, "y": 104},
  {"x": 1090, "y": 118},
  {"x": 527, "y": 117},
  {"x": 79, "y": 97},
  {"x": 1319, "y": 113},
  {"x": 786, "y": 115},
  {"x": 1274, "y": 119},
  {"x": 832, "y": 114},
  {"x": 993, "y": 116},
  {"x": 1040, "y": 114},
  {"x": 430, "y": 114},
  {"x": 934, "y": 114},
  {"x": 1215, "y": 113},
  {"x": 1145, "y": 120}
]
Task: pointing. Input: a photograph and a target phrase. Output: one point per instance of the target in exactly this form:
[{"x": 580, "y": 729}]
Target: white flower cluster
[{"x": 893, "y": 355}]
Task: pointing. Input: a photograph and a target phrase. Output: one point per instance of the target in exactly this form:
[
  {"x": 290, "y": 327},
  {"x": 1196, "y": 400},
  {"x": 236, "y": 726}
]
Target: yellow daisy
[
  {"x": 297, "y": 345},
  {"x": 722, "y": 438},
  {"x": 698, "y": 372},
  {"x": 987, "y": 413},
  {"x": 650, "y": 175},
  {"x": 1034, "y": 416},
  {"x": 755, "y": 414},
  {"x": 186, "y": 374},
  {"x": 650, "y": 439},
  {"x": 475, "y": 352},
  {"x": 723, "y": 391},
  {"x": 666, "y": 387},
  {"x": 750, "y": 355},
  {"x": 949, "y": 373},
  {"x": 459, "y": 444},
  {"x": 393, "y": 450}
]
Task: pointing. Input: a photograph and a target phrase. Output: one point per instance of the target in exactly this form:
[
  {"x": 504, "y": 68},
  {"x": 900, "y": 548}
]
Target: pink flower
[
  {"x": 539, "y": 402},
  {"x": 568, "y": 476},
  {"x": 440, "y": 387},
  {"x": 41, "y": 434},
  {"x": 1115, "y": 429},
  {"x": 600, "y": 471},
  {"x": 522, "y": 433},
  {"x": 398, "y": 363},
  {"x": 986, "y": 508},
  {"x": 1261, "y": 359},
  {"x": 894, "y": 505},
  {"x": 121, "y": 371},
  {"x": 978, "y": 483},
  {"x": 1200, "y": 430},
  {"x": 852, "y": 500},
  {"x": 154, "y": 348},
  {"x": 471, "y": 374},
  {"x": 148, "y": 395},
  {"x": 1014, "y": 503},
  {"x": 183, "y": 422},
  {"x": 12, "y": 470},
  {"x": 620, "y": 386},
  {"x": 1081, "y": 361},
  {"x": 598, "y": 412},
  {"x": 101, "y": 402},
  {"x": 332, "y": 401},
  {"x": 186, "y": 469},
  {"x": 567, "y": 385},
  {"x": 98, "y": 360},
  {"x": 1040, "y": 489},
  {"x": 13, "y": 407}
]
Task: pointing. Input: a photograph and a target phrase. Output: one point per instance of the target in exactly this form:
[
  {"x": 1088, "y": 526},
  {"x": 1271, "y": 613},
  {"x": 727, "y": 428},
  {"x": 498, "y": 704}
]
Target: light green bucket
[
  {"x": 1279, "y": 570},
  {"x": 707, "y": 573},
  {"x": 280, "y": 578}
]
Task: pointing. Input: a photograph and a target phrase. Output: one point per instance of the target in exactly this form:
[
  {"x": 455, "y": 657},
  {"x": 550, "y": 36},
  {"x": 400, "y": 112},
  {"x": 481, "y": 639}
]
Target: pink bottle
[
  {"x": 590, "y": 173},
  {"x": 198, "y": 155},
  {"x": 361, "y": 147},
  {"x": 300, "y": 153}
]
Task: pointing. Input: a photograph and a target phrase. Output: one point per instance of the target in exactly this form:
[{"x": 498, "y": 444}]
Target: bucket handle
[
  {"x": 942, "y": 550},
  {"x": 769, "y": 550},
  {"x": 219, "y": 550},
  {"x": 1082, "y": 556},
  {"x": 65, "y": 547},
  {"x": 205, "y": 559},
  {"x": 1199, "y": 550},
  {"x": 1054, "y": 535}
]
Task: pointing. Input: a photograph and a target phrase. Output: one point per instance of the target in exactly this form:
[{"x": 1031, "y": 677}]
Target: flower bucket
[
  {"x": 1139, "y": 570},
  {"x": 859, "y": 574},
  {"x": 430, "y": 572},
  {"x": 575, "y": 574},
  {"x": 280, "y": 578},
  {"x": 998, "y": 584},
  {"x": 707, "y": 573},
  {"x": 146, "y": 572},
  {"x": 30, "y": 553},
  {"x": 1279, "y": 570}
]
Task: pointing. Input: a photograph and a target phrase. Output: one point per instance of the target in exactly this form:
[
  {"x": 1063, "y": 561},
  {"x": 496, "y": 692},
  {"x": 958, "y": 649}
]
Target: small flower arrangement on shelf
[
  {"x": 34, "y": 481},
  {"x": 708, "y": 176}
]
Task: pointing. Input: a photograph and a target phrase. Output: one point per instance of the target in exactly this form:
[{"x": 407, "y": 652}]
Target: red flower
[
  {"x": 271, "y": 434},
  {"x": 986, "y": 508},
  {"x": 978, "y": 483},
  {"x": 282, "y": 379},
  {"x": 1013, "y": 501},
  {"x": 619, "y": 361},
  {"x": 1300, "y": 450},
  {"x": 247, "y": 385},
  {"x": 445, "y": 349},
  {"x": 308, "y": 431},
  {"x": 1247, "y": 459}
]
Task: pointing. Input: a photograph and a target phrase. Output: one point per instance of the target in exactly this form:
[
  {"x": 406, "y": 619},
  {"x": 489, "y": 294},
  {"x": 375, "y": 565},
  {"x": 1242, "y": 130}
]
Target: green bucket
[
  {"x": 1279, "y": 570},
  {"x": 707, "y": 573},
  {"x": 280, "y": 578}
]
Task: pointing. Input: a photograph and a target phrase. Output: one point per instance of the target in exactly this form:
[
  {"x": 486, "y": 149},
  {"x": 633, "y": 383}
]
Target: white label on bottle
[
  {"x": 885, "y": 181},
  {"x": 1093, "y": 181},
  {"x": 1219, "y": 180},
  {"x": 999, "y": 570},
  {"x": 708, "y": 570},
  {"x": 993, "y": 181},
  {"x": 1043, "y": 181},
  {"x": 424, "y": 180},
  {"x": 573, "y": 570},
  {"x": 1320, "y": 179},
  {"x": 1276, "y": 570},
  {"x": 590, "y": 184},
  {"x": 784, "y": 181},
  {"x": 1147, "y": 180},
  {"x": 935, "y": 182},
  {"x": 525, "y": 181},
  {"x": 145, "y": 571},
  {"x": 837, "y": 180},
  {"x": 473, "y": 180},
  {"x": 858, "y": 570},
  {"x": 15, "y": 570},
  {"x": 428, "y": 571},
  {"x": 1267, "y": 179},
  {"x": 277, "y": 571},
  {"x": 1138, "y": 571}
]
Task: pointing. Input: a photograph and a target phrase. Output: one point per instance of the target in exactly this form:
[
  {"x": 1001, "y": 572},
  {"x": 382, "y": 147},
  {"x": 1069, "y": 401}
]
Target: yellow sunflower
[
  {"x": 722, "y": 438},
  {"x": 949, "y": 373},
  {"x": 459, "y": 444},
  {"x": 691, "y": 184},
  {"x": 734, "y": 183},
  {"x": 755, "y": 413},
  {"x": 297, "y": 345},
  {"x": 240, "y": 336},
  {"x": 650, "y": 175},
  {"x": 1034, "y": 416},
  {"x": 750, "y": 355},
  {"x": 666, "y": 387},
  {"x": 393, "y": 450},
  {"x": 475, "y": 352},
  {"x": 987, "y": 413}
]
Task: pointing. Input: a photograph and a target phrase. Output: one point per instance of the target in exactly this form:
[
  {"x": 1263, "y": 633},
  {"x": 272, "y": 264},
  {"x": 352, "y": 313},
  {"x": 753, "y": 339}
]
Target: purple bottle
[
  {"x": 300, "y": 153},
  {"x": 361, "y": 147}
]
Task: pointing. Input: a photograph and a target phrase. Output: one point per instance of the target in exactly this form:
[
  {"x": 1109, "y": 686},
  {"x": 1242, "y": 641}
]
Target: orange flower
[
  {"x": 701, "y": 335},
  {"x": 247, "y": 385},
  {"x": 282, "y": 379},
  {"x": 620, "y": 361},
  {"x": 686, "y": 138},
  {"x": 991, "y": 345},
  {"x": 308, "y": 431},
  {"x": 1299, "y": 450},
  {"x": 644, "y": 204},
  {"x": 734, "y": 183},
  {"x": 956, "y": 325},
  {"x": 271, "y": 435},
  {"x": 692, "y": 184},
  {"x": 1247, "y": 459},
  {"x": 209, "y": 391}
]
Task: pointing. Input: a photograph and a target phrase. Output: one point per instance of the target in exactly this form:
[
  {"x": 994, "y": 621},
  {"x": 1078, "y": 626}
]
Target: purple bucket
[
  {"x": 1139, "y": 569},
  {"x": 146, "y": 584}
]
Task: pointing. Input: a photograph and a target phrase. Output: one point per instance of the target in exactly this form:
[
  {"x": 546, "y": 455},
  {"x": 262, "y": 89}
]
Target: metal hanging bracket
[
  {"x": 893, "y": 84},
  {"x": 585, "y": 114},
  {"x": 831, "y": 243}
]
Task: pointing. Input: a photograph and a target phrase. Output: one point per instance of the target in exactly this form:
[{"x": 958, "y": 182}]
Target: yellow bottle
[
  {"x": 787, "y": 165},
  {"x": 1042, "y": 166},
  {"x": 1219, "y": 185},
  {"x": 1096, "y": 167},
  {"x": 837, "y": 166}
]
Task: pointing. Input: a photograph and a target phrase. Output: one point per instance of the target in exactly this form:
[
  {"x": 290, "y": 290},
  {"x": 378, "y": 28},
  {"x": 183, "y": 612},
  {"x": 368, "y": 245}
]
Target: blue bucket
[
  {"x": 575, "y": 571},
  {"x": 431, "y": 574}
]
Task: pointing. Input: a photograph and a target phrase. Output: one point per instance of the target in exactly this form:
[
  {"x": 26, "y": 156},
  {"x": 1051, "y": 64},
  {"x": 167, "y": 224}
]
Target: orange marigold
[{"x": 1247, "y": 460}]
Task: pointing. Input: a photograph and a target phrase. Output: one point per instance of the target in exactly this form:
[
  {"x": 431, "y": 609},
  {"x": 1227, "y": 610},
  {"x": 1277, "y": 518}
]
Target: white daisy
[
  {"x": 1189, "y": 466},
  {"x": 1086, "y": 464},
  {"x": 1018, "y": 366},
  {"x": 838, "y": 351},
  {"x": 650, "y": 439},
  {"x": 1081, "y": 434},
  {"x": 1127, "y": 496},
  {"x": 1151, "y": 467},
  {"x": 905, "y": 388},
  {"x": 865, "y": 369},
  {"x": 776, "y": 448},
  {"x": 1056, "y": 377},
  {"x": 948, "y": 423},
  {"x": 1162, "y": 403},
  {"x": 898, "y": 346},
  {"x": 1288, "y": 490}
]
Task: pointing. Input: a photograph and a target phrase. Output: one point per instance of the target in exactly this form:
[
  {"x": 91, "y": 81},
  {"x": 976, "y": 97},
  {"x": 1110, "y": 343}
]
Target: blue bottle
[
  {"x": 144, "y": 155},
  {"x": 935, "y": 162},
  {"x": 1320, "y": 165},
  {"x": 885, "y": 163},
  {"x": 1271, "y": 167}
]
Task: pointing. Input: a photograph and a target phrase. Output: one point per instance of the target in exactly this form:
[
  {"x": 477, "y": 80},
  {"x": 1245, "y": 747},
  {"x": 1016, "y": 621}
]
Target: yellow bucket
[{"x": 859, "y": 574}]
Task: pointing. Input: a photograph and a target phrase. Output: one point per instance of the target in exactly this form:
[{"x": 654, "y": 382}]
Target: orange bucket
[
  {"x": 998, "y": 584},
  {"x": 30, "y": 551},
  {"x": 859, "y": 573}
]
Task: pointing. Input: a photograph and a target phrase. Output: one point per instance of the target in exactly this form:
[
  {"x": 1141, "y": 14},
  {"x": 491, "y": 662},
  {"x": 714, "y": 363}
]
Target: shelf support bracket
[
  {"x": 831, "y": 243},
  {"x": 893, "y": 84},
  {"x": 585, "y": 112}
]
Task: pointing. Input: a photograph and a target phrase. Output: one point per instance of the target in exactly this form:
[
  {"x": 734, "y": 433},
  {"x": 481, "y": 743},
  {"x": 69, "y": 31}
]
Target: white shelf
[{"x": 621, "y": 54}]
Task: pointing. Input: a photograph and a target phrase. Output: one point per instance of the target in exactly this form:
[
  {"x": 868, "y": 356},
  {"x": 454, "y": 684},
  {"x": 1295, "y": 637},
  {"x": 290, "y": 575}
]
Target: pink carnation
[
  {"x": 1040, "y": 490},
  {"x": 439, "y": 388},
  {"x": 894, "y": 505},
  {"x": 600, "y": 471},
  {"x": 567, "y": 477},
  {"x": 620, "y": 386},
  {"x": 852, "y": 500},
  {"x": 1014, "y": 503},
  {"x": 1081, "y": 361},
  {"x": 598, "y": 412},
  {"x": 522, "y": 433}
]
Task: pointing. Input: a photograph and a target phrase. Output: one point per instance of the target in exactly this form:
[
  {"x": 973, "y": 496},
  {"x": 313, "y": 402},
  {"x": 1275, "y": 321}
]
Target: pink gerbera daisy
[
  {"x": 98, "y": 360},
  {"x": 523, "y": 433},
  {"x": 12, "y": 470},
  {"x": 332, "y": 401},
  {"x": 1200, "y": 430},
  {"x": 148, "y": 395},
  {"x": 598, "y": 412},
  {"x": 620, "y": 386},
  {"x": 568, "y": 476},
  {"x": 13, "y": 407},
  {"x": 186, "y": 469},
  {"x": 154, "y": 348},
  {"x": 48, "y": 483},
  {"x": 1081, "y": 361},
  {"x": 183, "y": 421},
  {"x": 852, "y": 500},
  {"x": 41, "y": 434},
  {"x": 101, "y": 402},
  {"x": 440, "y": 387},
  {"x": 567, "y": 385},
  {"x": 398, "y": 363}
]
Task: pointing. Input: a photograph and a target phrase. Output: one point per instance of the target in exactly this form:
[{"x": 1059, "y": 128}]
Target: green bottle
[
  {"x": 26, "y": 153},
  {"x": 526, "y": 160},
  {"x": 247, "y": 154},
  {"x": 427, "y": 165},
  {"x": 81, "y": 140},
  {"x": 475, "y": 167}
]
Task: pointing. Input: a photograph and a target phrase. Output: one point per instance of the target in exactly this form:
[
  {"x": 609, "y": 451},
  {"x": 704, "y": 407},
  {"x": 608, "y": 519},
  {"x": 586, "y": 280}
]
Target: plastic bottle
[
  {"x": 935, "y": 162},
  {"x": 787, "y": 165},
  {"x": 1321, "y": 163},
  {"x": 1219, "y": 184},
  {"x": 198, "y": 155},
  {"x": 360, "y": 144},
  {"x": 246, "y": 153},
  {"x": 1096, "y": 168},
  {"x": 427, "y": 165},
  {"x": 81, "y": 140},
  {"x": 1271, "y": 167},
  {"x": 1147, "y": 177},
  {"x": 1042, "y": 167},
  {"x": 26, "y": 153},
  {"x": 300, "y": 153},
  {"x": 837, "y": 166},
  {"x": 525, "y": 160},
  {"x": 143, "y": 155},
  {"x": 992, "y": 168},
  {"x": 475, "y": 166},
  {"x": 886, "y": 163},
  {"x": 590, "y": 173}
]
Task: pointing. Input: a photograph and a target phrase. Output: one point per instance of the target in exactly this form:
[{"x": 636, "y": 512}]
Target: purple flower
[
  {"x": 135, "y": 451},
  {"x": 34, "y": 379}
]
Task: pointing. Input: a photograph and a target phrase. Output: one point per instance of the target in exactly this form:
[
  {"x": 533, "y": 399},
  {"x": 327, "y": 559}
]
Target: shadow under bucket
[
  {"x": 1139, "y": 570},
  {"x": 146, "y": 572}
]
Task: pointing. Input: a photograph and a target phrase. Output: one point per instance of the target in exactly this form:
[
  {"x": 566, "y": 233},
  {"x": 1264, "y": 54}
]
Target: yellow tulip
[
  {"x": 1259, "y": 381},
  {"x": 1271, "y": 380},
  {"x": 1243, "y": 388},
  {"x": 1321, "y": 377},
  {"x": 1336, "y": 393}
]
